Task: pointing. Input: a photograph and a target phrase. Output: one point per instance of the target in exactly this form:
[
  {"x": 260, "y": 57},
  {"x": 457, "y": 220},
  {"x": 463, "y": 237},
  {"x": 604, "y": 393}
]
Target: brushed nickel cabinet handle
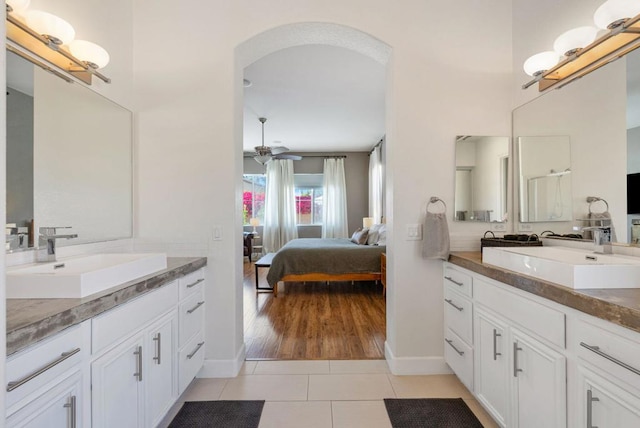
[
  {"x": 590, "y": 400},
  {"x": 16, "y": 383},
  {"x": 450, "y": 342},
  {"x": 138, "y": 353},
  {"x": 195, "y": 351},
  {"x": 195, "y": 283},
  {"x": 190, "y": 311},
  {"x": 496, "y": 335},
  {"x": 158, "y": 339},
  {"x": 516, "y": 348},
  {"x": 454, "y": 281},
  {"x": 71, "y": 405},
  {"x": 449, "y": 301},
  {"x": 596, "y": 349}
]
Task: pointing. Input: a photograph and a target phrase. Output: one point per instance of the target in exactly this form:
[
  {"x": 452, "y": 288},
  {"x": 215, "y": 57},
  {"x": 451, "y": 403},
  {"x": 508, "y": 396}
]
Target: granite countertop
[
  {"x": 31, "y": 320},
  {"x": 618, "y": 305}
]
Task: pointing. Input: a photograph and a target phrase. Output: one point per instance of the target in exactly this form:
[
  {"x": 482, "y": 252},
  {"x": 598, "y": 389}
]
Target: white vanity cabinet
[{"x": 191, "y": 320}]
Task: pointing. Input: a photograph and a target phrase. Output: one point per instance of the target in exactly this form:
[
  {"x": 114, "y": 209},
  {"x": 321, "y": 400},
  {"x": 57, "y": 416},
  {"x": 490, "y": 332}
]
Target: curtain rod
[
  {"x": 324, "y": 156},
  {"x": 378, "y": 144}
]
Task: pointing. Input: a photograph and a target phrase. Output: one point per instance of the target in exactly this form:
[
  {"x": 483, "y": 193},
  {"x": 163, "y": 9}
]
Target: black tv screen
[{"x": 633, "y": 193}]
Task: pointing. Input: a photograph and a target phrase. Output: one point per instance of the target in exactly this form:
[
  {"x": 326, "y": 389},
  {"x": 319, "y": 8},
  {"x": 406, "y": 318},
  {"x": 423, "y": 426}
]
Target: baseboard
[
  {"x": 223, "y": 368},
  {"x": 415, "y": 365}
]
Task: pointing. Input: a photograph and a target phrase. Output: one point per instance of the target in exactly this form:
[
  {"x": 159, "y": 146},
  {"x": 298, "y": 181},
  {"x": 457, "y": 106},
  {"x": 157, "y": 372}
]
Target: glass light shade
[
  {"x": 573, "y": 40},
  {"x": 254, "y": 221},
  {"x": 89, "y": 52},
  {"x": 540, "y": 62},
  {"x": 50, "y": 25},
  {"x": 611, "y": 12},
  {"x": 262, "y": 159},
  {"x": 19, "y": 6},
  {"x": 367, "y": 222}
]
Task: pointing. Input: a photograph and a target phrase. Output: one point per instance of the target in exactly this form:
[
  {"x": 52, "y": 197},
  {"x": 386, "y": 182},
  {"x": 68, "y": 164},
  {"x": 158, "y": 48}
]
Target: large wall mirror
[
  {"x": 482, "y": 165},
  {"x": 598, "y": 114},
  {"x": 69, "y": 159}
]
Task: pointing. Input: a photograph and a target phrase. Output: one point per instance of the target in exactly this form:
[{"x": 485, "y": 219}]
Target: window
[
  {"x": 308, "y": 188},
  {"x": 253, "y": 189}
]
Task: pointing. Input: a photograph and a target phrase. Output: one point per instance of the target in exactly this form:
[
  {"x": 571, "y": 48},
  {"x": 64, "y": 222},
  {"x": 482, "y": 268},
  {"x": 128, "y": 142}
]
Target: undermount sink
[
  {"x": 80, "y": 276},
  {"x": 567, "y": 266}
]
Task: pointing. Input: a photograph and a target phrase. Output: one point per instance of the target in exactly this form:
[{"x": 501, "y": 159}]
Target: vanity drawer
[
  {"x": 122, "y": 321},
  {"x": 461, "y": 281},
  {"x": 606, "y": 349},
  {"x": 191, "y": 316},
  {"x": 547, "y": 323},
  {"x": 458, "y": 314},
  {"x": 30, "y": 370},
  {"x": 191, "y": 283},
  {"x": 190, "y": 360},
  {"x": 459, "y": 356}
]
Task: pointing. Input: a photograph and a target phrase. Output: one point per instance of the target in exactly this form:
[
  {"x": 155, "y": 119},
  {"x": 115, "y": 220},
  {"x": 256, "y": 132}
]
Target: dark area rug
[
  {"x": 218, "y": 414},
  {"x": 430, "y": 413}
]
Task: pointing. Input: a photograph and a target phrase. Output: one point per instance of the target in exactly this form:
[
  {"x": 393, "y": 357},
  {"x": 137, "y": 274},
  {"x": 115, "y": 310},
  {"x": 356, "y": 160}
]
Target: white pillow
[
  {"x": 372, "y": 239},
  {"x": 382, "y": 235}
]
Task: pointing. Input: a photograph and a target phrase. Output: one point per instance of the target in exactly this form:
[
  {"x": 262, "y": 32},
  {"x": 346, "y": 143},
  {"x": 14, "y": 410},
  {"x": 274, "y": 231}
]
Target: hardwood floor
[{"x": 307, "y": 321}]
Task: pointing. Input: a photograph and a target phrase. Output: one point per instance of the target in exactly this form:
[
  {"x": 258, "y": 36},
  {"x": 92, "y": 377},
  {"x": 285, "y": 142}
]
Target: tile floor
[{"x": 325, "y": 394}]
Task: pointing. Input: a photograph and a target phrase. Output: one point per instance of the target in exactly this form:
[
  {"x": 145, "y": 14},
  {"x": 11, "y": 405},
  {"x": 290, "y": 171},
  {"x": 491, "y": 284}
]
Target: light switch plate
[
  {"x": 216, "y": 234},
  {"x": 499, "y": 227},
  {"x": 414, "y": 232},
  {"x": 525, "y": 227}
]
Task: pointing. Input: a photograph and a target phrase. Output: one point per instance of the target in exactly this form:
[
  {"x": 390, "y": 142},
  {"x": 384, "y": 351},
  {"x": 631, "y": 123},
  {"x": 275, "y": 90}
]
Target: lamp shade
[
  {"x": 57, "y": 29},
  {"x": 540, "y": 62},
  {"x": 262, "y": 159},
  {"x": 18, "y": 6},
  {"x": 614, "y": 12},
  {"x": 96, "y": 56},
  {"x": 367, "y": 222},
  {"x": 254, "y": 221},
  {"x": 573, "y": 40}
]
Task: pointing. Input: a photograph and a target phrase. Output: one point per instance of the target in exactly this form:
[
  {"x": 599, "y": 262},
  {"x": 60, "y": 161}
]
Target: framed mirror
[
  {"x": 69, "y": 159},
  {"x": 544, "y": 178},
  {"x": 482, "y": 165}
]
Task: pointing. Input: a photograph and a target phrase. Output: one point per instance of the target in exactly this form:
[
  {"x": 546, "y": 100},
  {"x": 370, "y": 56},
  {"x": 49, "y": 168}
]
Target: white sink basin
[
  {"x": 567, "y": 266},
  {"x": 80, "y": 276}
]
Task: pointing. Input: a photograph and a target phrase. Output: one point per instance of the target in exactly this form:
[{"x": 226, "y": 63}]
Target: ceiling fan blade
[
  {"x": 287, "y": 156},
  {"x": 279, "y": 149}
]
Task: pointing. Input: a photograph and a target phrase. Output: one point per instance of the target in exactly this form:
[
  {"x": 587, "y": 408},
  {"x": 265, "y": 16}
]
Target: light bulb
[
  {"x": 540, "y": 62},
  {"x": 569, "y": 42},
  {"x": 96, "y": 56},
  {"x": 59, "y": 31},
  {"x": 613, "y": 13}
]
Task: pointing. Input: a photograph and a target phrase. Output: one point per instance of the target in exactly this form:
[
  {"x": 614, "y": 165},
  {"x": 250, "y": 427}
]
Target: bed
[{"x": 315, "y": 259}]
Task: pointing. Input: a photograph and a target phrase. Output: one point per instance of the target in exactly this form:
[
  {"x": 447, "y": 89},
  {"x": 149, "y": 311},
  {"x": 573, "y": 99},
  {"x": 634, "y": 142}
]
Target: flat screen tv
[{"x": 633, "y": 193}]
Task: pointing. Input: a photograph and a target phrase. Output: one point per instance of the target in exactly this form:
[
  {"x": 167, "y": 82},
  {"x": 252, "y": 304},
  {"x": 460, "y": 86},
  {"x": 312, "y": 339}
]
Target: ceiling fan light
[
  {"x": 59, "y": 31},
  {"x": 540, "y": 62},
  {"x": 613, "y": 13},
  {"x": 570, "y": 42},
  {"x": 94, "y": 55},
  {"x": 262, "y": 159}
]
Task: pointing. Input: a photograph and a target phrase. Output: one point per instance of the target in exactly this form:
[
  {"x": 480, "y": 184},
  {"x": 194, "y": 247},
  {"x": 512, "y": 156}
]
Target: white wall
[{"x": 443, "y": 80}]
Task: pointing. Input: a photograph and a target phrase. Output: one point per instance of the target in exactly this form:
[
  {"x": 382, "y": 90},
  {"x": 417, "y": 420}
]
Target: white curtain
[
  {"x": 279, "y": 206},
  {"x": 375, "y": 184},
  {"x": 334, "y": 200}
]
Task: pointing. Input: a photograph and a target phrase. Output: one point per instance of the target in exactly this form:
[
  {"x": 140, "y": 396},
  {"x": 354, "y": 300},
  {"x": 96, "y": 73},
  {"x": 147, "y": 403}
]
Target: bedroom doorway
[{"x": 315, "y": 320}]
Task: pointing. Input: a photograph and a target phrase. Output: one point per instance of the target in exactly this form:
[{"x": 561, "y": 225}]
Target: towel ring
[
  {"x": 435, "y": 199},
  {"x": 594, "y": 199}
]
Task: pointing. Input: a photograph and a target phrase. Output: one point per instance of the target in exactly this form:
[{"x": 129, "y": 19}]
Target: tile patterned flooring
[{"x": 325, "y": 394}]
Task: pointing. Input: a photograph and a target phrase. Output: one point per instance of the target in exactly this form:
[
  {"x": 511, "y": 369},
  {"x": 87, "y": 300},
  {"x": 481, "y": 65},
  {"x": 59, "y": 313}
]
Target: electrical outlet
[
  {"x": 414, "y": 232},
  {"x": 499, "y": 227},
  {"x": 525, "y": 227}
]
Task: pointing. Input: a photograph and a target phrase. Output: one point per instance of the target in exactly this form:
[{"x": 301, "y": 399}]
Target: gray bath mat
[
  {"x": 218, "y": 414},
  {"x": 430, "y": 413}
]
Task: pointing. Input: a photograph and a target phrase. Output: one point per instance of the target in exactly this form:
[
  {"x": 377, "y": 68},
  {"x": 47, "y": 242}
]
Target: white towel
[{"x": 436, "y": 236}]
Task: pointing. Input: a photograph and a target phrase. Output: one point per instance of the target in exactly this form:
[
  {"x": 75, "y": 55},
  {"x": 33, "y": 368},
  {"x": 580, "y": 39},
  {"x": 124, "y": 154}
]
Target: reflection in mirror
[
  {"x": 482, "y": 165},
  {"x": 544, "y": 165},
  {"x": 68, "y": 159}
]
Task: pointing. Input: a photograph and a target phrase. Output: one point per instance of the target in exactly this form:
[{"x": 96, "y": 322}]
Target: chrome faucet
[
  {"x": 601, "y": 239},
  {"x": 47, "y": 242}
]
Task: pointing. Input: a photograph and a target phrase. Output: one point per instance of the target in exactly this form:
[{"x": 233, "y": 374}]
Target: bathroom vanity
[
  {"x": 536, "y": 353},
  {"x": 117, "y": 358}
]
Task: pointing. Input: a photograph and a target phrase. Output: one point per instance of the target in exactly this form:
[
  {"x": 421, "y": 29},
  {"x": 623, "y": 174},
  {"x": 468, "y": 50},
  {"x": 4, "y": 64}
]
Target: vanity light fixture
[
  {"x": 621, "y": 17},
  {"x": 39, "y": 35}
]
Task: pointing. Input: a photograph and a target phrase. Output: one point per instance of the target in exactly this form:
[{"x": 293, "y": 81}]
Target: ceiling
[{"x": 316, "y": 98}]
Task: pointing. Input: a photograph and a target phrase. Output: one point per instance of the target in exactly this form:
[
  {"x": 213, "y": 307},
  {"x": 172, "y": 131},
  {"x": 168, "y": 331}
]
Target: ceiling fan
[{"x": 265, "y": 153}]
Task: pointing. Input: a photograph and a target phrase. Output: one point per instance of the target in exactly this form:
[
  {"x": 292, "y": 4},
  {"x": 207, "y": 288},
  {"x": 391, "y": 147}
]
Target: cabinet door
[
  {"x": 117, "y": 386},
  {"x": 491, "y": 365},
  {"x": 58, "y": 407},
  {"x": 539, "y": 380},
  {"x": 605, "y": 405},
  {"x": 160, "y": 375}
]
